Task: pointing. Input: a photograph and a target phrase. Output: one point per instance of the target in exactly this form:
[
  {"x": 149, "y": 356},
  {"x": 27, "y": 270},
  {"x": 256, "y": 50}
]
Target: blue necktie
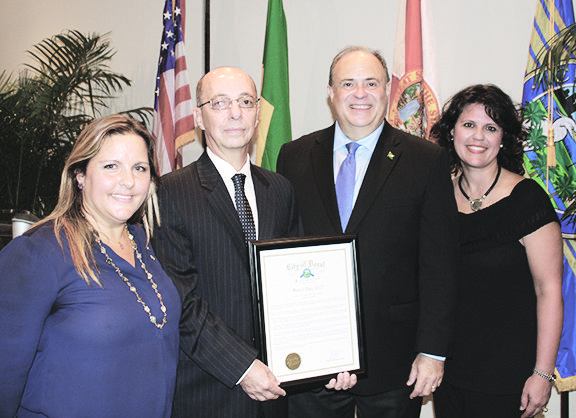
[
  {"x": 345, "y": 184},
  {"x": 243, "y": 208}
]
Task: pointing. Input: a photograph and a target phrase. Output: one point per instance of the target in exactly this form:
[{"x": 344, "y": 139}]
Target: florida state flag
[{"x": 414, "y": 104}]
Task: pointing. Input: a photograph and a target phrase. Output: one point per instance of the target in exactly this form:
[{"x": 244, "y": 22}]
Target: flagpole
[{"x": 206, "y": 36}]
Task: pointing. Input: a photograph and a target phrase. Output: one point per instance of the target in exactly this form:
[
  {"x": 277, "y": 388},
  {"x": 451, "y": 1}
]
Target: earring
[
  {"x": 501, "y": 145},
  {"x": 80, "y": 186},
  {"x": 452, "y": 138}
]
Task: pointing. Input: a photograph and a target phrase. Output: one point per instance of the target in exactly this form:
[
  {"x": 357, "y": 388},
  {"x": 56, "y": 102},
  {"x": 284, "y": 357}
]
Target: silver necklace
[
  {"x": 476, "y": 204},
  {"x": 153, "y": 319}
]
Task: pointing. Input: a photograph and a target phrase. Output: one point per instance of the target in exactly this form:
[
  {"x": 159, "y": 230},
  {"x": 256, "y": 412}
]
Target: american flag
[{"x": 173, "y": 124}]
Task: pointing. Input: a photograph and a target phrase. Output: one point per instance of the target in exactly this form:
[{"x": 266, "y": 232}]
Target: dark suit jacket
[
  {"x": 406, "y": 219},
  {"x": 201, "y": 246}
]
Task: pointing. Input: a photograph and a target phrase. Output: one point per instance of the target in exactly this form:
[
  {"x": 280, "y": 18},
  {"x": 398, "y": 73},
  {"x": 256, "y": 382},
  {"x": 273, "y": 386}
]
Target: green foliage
[
  {"x": 536, "y": 138},
  {"x": 534, "y": 113},
  {"x": 561, "y": 176},
  {"x": 43, "y": 110},
  {"x": 539, "y": 164},
  {"x": 564, "y": 184}
]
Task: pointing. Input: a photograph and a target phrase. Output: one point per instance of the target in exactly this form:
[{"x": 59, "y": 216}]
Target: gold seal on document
[{"x": 293, "y": 361}]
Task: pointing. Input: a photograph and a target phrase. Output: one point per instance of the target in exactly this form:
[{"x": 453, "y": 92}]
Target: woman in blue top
[
  {"x": 89, "y": 319},
  {"x": 509, "y": 316}
]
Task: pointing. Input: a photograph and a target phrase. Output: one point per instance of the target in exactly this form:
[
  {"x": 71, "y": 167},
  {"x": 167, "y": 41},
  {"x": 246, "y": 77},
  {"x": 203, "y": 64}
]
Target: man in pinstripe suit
[{"x": 202, "y": 246}]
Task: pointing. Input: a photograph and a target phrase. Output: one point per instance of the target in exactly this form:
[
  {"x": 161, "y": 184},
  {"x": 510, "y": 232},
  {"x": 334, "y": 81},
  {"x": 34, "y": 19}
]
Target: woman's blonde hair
[{"x": 68, "y": 215}]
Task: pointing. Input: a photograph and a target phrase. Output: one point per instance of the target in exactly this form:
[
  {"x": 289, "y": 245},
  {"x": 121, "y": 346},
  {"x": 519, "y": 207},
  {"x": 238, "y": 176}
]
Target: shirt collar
[
  {"x": 340, "y": 139},
  {"x": 225, "y": 169}
]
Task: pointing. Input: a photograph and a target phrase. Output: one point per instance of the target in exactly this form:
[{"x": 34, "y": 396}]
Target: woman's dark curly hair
[{"x": 501, "y": 110}]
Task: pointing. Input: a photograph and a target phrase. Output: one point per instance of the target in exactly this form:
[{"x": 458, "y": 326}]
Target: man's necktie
[
  {"x": 243, "y": 208},
  {"x": 345, "y": 184}
]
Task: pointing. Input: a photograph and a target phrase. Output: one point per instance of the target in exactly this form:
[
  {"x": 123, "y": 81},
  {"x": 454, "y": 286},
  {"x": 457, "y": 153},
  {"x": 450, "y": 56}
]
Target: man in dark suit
[
  {"x": 401, "y": 204},
  {"x": 202, "y": 245}
]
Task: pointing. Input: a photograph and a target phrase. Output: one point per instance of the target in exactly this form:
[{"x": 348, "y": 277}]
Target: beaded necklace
[{"x": 132, "y": 288}]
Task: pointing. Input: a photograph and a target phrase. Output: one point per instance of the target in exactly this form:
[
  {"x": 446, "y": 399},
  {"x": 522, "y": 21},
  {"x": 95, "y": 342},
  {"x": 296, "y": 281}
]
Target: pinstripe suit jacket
[{"x": 201, "y": 246}]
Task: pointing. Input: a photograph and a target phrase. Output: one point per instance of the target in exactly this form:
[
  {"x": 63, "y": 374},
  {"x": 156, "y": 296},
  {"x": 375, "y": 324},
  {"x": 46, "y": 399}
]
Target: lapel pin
[{"x": 391, "y": 156}]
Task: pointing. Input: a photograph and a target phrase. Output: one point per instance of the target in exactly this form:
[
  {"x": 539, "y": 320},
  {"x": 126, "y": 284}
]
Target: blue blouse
[{"x": 69, "y": 349}]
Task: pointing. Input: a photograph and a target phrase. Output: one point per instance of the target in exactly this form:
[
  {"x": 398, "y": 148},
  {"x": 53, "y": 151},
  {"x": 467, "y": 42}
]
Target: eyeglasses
[{"x": 223, "y": 103}]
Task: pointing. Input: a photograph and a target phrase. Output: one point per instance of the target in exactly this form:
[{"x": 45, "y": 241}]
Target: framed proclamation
[{"x": 306, "y": 307}]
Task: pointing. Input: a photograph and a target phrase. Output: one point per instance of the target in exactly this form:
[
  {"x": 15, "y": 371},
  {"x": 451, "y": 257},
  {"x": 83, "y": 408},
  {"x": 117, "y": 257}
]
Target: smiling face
[
  {"x": 116, "y": 181},
  {"x": 477, "y": 137},
  {"x": 227, "y": 131},
  {"x": 359, "y": 94}
]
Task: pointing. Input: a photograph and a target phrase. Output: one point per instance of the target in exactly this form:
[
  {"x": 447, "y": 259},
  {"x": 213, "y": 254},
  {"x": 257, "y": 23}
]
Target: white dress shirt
[
  {"x": 227, "y": 171},
  {"x": 363, "y": 154}
]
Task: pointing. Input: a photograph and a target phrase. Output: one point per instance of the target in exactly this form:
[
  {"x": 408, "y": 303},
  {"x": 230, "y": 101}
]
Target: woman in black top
[{"x": 510, "y": 312}]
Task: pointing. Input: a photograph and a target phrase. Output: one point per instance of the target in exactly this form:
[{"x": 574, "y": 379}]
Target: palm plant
[{"x": 44, "y": 108}]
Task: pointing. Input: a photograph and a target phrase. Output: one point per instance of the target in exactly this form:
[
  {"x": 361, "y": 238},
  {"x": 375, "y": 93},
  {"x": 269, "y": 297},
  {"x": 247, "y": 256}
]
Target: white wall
[{"x": 477, "y": 42}]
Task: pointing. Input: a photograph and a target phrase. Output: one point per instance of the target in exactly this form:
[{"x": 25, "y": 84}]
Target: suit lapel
[
  {"x": 219, "y": 199},
  {"x": 387, "y": 153},
  {"x": 321, "y": 160}
]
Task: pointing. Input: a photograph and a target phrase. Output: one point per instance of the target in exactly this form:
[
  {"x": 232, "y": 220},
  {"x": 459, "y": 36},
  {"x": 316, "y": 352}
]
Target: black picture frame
[{"x": 291, "y": 277}]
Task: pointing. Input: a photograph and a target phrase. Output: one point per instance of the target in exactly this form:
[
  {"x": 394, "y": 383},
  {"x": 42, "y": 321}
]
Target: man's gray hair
[{"x": 351, "y": 49}]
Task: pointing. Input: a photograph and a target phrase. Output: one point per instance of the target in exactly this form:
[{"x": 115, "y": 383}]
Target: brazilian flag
[{"x": 274, "y": 127}]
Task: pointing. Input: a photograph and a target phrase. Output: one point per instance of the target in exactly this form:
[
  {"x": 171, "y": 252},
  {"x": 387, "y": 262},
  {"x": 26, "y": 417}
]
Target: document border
[{"x": 258, "y": 279}]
